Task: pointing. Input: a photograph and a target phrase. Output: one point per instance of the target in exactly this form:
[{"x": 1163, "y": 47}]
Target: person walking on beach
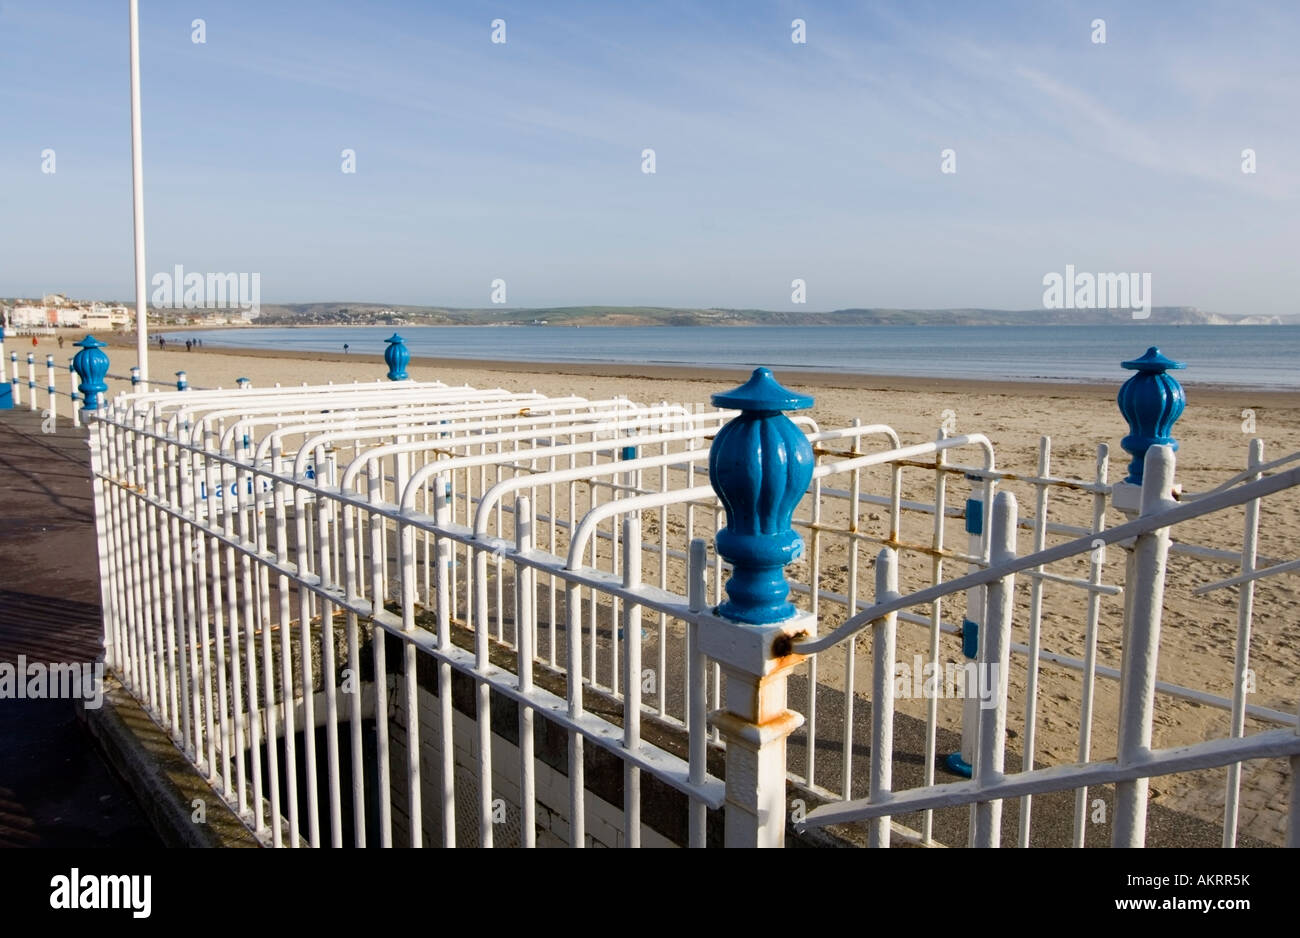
[
  {"x": 60, "y": 341},
  {"x": 188, "y": 345}
]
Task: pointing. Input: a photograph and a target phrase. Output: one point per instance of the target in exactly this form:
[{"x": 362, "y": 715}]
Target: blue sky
[{"x": 774, "y": 160}]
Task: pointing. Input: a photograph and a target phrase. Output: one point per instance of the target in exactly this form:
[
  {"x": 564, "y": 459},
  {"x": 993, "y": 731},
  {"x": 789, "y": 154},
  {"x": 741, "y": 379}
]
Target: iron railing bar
[
  {"x": 1211, "y": 754},
  {"x": 1123, "y": 532}
]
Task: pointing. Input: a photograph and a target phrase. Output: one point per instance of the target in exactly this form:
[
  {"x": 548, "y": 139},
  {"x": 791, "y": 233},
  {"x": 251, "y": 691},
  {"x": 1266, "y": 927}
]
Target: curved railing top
[{"x": 1159, "y": 511}]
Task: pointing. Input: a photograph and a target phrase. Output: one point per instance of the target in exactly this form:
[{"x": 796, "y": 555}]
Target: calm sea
[{"x": 1242, "y": 356}]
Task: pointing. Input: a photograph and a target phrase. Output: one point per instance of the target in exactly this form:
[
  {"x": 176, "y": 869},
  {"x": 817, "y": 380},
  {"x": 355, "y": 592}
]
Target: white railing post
[
  {"x": 443, "y": 586},
  {"x": 632, "y": 681},
  {"x": 697, "y": 688},
  {"x": 525, "y": 600},
  {"x": 1144, "y": 590},
  {"x": 760, "y": 465},
  {"x": 378, "y": 572},
  {"x": 1245, "y": 609},
  {"x": 106, "y": 600},
  {"x": 6, "y": 391},
  {"x": 73, "y": 394},
  {"x": 31, "y": 381},
  {"x": 49, "y": 384},
  {"x": 14, "y": 384},
  {"x": 991, "y": 672},
  {"x": 1096, "y": 563},
  {"x": 1035, "y": 634},
  {"x": 483, "y": 699},
  {"x": 959, "y": 763},
  {"x": 882, "y": 692}
]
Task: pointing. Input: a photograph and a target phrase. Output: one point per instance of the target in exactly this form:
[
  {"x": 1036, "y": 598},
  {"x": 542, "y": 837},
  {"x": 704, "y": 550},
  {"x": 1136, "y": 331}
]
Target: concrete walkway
[{"x": 54, "y": 788}]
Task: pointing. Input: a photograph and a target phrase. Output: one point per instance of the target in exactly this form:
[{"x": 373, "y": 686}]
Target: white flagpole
[{"x": 137, "y": 191}]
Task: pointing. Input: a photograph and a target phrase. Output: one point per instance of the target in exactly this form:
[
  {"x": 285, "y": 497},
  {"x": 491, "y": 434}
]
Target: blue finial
[
  {"x": 182, "y": 381},
  {"x": 135, "y": 375},
  {"x": 1150, "y": 401},
  {"x": 396, "y": 357},
  {"x": 760, "y": 465},
  {"x": 91, "y": 365}
]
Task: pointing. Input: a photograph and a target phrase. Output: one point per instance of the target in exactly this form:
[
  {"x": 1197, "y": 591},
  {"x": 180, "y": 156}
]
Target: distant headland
[
  {"x": 55, "y": 310},
  {"x": 355, "y": 314}
]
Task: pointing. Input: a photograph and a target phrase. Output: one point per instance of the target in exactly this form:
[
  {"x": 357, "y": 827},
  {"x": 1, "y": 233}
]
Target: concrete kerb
[{"x": 162, "y": 779}]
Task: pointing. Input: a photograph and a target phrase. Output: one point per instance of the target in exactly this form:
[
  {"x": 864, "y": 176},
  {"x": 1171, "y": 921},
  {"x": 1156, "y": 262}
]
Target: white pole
[{"x": 137, "y": 192}]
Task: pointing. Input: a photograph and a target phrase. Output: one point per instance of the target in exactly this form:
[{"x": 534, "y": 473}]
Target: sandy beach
[{"x": 1198, "y": 635}]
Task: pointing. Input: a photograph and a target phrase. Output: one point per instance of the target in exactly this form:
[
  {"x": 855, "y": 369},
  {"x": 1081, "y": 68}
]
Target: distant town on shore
[{"x": 55, "y": 310}]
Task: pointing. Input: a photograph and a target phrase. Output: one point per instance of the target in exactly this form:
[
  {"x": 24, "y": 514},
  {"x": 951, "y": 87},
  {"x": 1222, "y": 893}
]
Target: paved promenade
[{"x": 54, "y": 789}]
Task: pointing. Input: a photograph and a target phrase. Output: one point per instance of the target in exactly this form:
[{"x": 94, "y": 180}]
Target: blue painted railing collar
[{"x": 761, "y": 392}]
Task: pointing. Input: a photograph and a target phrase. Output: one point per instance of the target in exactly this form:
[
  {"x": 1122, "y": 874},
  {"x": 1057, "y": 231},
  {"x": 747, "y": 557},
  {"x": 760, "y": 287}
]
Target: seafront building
[{"x": 56, "y": 311}]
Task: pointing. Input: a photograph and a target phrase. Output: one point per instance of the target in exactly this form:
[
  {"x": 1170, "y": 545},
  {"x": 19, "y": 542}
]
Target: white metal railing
[
  {"x": 1136, "y": 761},
  {"x": 420, "y": 493},
  {"x": 50, "y": 389},
  {"x": 155, "y": 512}
]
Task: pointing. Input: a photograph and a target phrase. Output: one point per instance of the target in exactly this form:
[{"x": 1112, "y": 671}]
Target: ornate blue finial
[
  {"x": 760, "y": 465},
  {"x": 135, "y": 376},
  {"x": 396, "y": 357},
  {"x": 1150, "y": 401},
  {"x": 182, "y": 381},
  {"x": 91, "y": 365}
]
